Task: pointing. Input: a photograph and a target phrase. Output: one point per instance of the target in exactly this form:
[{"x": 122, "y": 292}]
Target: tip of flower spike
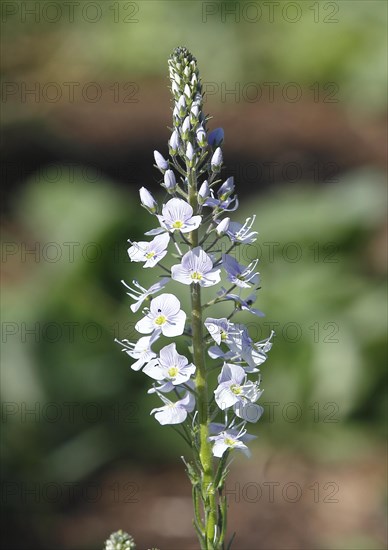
[
  {"x": 120, "y": 540},
  {"x": 182, "y": 52}
]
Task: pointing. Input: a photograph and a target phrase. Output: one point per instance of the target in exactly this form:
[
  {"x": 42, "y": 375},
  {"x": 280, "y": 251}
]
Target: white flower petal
[
  {"x": 145, "y": 325},
  {"x": 175, "y": 326}
]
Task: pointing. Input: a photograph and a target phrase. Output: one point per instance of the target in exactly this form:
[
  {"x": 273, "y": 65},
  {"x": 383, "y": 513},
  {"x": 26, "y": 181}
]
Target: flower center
[
  {"x": 196, "y": 276},
  {"x": 172, "y": 371},
  {"x": 177, "y": 224},
  {"x": 223, "y": 335},
  {"x": 150, "y": 255},
  {"x": 160, "y": 320},
  {"x": 236, "y": 389},
  {"x": 230, "y": 442}
]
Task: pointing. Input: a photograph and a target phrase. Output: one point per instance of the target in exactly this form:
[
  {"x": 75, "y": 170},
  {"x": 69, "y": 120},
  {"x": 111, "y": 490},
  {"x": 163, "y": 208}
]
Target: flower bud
[
  {"x": 147, "y": 200},
  {"x": 190, "y": 152},
  {"x": 181, "y": 106},
  {"x": 169, "y": 181},
  {"x": 174, "y": 87},
  {"x": 174, "y": 143},
  {"x": 201, "y": 137},
  {"x": 216, "y": 160},
  {"x": 222, "y": 227},
  {"x": 186, "y": 128},
  {"x": 195, "y": 110},
  {"x": 216, "y": 137},
  {"x": 204, "y": 192},
  {"x": 187, "y": 91},
  {"x": 161, "y": 162}
]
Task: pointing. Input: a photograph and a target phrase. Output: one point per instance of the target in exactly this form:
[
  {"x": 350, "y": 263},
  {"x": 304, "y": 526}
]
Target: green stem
[{"x": 205, "y": 452}]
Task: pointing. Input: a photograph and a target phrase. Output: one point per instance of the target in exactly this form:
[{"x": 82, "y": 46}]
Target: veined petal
[
  {"x": 250, "y": 412},
  {"x": 168, "y": 355},
  {"x": 145, "y": 325},
  {"x": 180, "y": 274},
  {"x": 224, "y": 397},
  {"x": 212, "y": 278},
  {"x": 154, "y": 370},
  {"x": 176, "y": 209},
  {"x": 137, "y": 251},
  {"x": 171, "y": 415},
  {"x": 175, "y": 325},
  {"x": 193, "y": 223},
  {"x": 167, "y": 304},
  {"x": 219, "y": 448}
]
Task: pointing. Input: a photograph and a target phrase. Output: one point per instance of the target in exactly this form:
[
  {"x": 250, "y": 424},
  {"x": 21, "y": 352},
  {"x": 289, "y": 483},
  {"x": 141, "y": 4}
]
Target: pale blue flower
[
  {"x": 174, "y": 413},
  {"x": 140, "y": 350},
  {"x": 261, "y": 348},
  {"x": 246, "y": 351},
  {"x": 240, "y": 303},
  {"x": 196, "y": 267},
  {"x": 140, "y": 293},
  {"x": 228, "y": 439},
  {"x": 238, "y": 274},
  {"x": 170, "y": 366},
  {"x": 228, "y": 204},
  {"x": 177, "y": 215},
  {"x": 226, "y": 188},
  {"x": 165, "y": 315},
  {"x": 161, "y": 162},
  {"x": 235, "y": 390},
  {"x": 240, "y": 344},
  {"x": 149, "y": 252},
  {"x": 240, "y": 233},
  {"x": 229, "y": 386},
  {"x": 222, "y": 330}
]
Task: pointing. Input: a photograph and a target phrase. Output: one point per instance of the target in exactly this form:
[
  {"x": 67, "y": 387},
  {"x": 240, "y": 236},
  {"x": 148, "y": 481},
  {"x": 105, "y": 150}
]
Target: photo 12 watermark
[
  {"x": 289, "y": 492},
  {"x": 31, "y": 494},
  {"x": 270, "y": 12},
  {"x": 271, "y": 92},
  {"x": 69, "y": 412},
  {"x": 69, "y": 92},
  {"x": 92, "y": 12}
]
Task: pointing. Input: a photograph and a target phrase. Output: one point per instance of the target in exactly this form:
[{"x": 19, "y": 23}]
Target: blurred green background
[{"x": 300, "y": 89}]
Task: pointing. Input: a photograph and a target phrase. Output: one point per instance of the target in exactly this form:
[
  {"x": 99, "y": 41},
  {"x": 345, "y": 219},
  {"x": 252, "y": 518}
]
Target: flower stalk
[{"x": 193, "y": 220}]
